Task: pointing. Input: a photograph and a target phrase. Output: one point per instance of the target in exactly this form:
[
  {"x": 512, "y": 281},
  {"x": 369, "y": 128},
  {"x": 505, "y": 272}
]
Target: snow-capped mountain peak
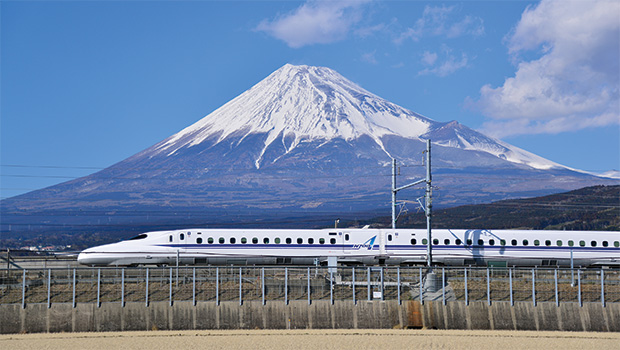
[
  {"x": 303, "y": 102},
  {"x": 306, "y": 103}
]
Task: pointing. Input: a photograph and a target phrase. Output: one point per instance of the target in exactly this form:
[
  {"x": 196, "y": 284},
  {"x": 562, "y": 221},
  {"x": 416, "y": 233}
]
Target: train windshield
[{"x": 140, "y": 236}]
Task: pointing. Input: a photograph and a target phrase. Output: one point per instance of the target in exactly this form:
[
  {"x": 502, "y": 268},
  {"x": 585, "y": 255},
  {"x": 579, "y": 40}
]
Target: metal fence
[{"x": 240, "y": 284}]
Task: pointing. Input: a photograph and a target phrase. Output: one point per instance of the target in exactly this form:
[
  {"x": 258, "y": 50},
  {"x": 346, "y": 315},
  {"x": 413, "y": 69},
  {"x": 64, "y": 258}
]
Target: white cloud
[
  {"x": 573, "y": 83},
  {"x": 444, "y": 66},
  {"x": 429, "y": 58},
  {"x": 440, "y": 21},
  {"x": 315, "y": 22},
  {"x": 370, "y": 57}
]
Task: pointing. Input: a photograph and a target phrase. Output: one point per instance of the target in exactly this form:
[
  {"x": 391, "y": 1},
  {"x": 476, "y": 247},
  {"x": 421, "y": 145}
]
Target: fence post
[
  {"x": 555, "y": 276},
  {"x": 488, "y": 287},
  {"x": 368, "y": 284},
  {"x": 286, "y": 286},
  {"x": 443, "y": 284},
  {"x": 24, "y": 290},
  {"x": 602, "y": 287},
  {"x": 74, "y": 288},
  {"x": 170, "y": 285},
  {"x": 49, "y": 287},
  {"x": 398, "y": 284},
  {"x": 533, "y": 287},
  {"x": 353, "y": 284},
  {"x": 382, "y": 289},
  {"x": 331, "y": 286},
  {"x": 146, "y": 298},
  {"x": 240, "y": 290},
  {"x": 123, "y": 287},
  {"x": 262, "y": 283},
  {"x": 579, "y": 287},
  {"x": 421, "y": 296},
  {"x": 98, "y": 287},
  {"x": 466, "y": 293},
  {"x": 194, "y": 286},
  {"x": 217, "y": 286},
  {"x": 512, "y": 302},
  {"x": 309, "y": 289}
]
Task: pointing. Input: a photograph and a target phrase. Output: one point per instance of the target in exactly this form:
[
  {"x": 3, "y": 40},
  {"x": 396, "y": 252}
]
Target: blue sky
[{"x": 85, "y": 84}]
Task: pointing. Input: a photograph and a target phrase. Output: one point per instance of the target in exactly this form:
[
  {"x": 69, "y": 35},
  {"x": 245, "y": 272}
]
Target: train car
[{"x": 360, "y": 246}]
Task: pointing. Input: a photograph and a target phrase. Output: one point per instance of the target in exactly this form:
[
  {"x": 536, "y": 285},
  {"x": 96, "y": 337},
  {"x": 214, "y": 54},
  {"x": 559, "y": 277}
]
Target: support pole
[
  {"x": 429, "y": 204},
  {"x": 393, "y": 193}
]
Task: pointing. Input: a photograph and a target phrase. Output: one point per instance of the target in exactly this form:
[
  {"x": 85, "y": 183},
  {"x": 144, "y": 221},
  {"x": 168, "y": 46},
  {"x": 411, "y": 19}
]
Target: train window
[
  {"x": 536, "y": 242},
  {"x": 210, "y": 240},
  {"x": 502, "y": 242},
  {"x": 233, "y": 240},
  {"x": 570, "y": 243},
  {"x": 140, "y": 236},
  {"x": 558, "y": 243},
  {"x": 170, "y": 238},
  {"x": 310, "y": 240},
  {"x": 332, "y": 240},
  {"x": 424, "y": 241},
  {"x": 491, "y": 242},
  {"x": 548, "y": 243},
  {"x": 266, "y": 240},
  {"x": 244, "y": 240},
  {"x": 300, "y": 240},
  {"x": 199, "y": 233},
  {"x": 582, "y": 243},
  {"x": 277, "y": 240},
  {"x": 480, "y": 242},
  {"x": 254, "y": 240},
  {"x": 333, "y": 234},
  {"x": 616, "y": 244},
  {"x": 413, "y": 241},
  {"x": 605, "y": 244},
  {"x": 199, "y": 240},
  {"x": 289, "y": 240},
  {"x": 593, "y": 243},
  {"x": 321, "y": 240},
  {"x": 457, "y": 241},
  {"x": 346, "y": 237},
  {"x": 446, "y": 242},
  {"x": 222, "y": 240},
  {"x": 182, "y": 236},
  {"x": 513, "y": 242},
  {"x": 525, "y": 242},
  {"x": 390, "y": 238},
  {"x": 435, "y": 241},
  {"x": 469, "y": 242}
]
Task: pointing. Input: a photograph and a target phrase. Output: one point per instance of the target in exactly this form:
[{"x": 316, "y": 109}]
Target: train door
[{"x": 346, "y": 242}]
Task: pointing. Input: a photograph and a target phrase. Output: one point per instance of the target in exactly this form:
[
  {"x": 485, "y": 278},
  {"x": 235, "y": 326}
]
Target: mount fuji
[{"x": 303, "y": 142}]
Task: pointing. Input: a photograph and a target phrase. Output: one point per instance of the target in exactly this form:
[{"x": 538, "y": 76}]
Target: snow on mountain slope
[{"x": 305, "y": 103}]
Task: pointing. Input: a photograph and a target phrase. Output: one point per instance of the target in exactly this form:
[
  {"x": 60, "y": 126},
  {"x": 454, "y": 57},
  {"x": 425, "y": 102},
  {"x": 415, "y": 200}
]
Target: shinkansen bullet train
[{"x": 360, "y": 246}]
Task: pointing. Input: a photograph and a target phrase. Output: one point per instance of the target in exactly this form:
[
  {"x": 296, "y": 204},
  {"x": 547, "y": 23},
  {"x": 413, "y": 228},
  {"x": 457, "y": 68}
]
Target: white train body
[{"x": 359, "y": 246}]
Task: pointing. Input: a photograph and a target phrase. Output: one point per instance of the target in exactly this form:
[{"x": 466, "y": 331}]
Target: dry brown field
[{"x": 314, "y": 340}]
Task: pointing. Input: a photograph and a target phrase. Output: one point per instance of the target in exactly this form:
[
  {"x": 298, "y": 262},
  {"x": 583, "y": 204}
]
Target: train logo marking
[{"x": 368, "y": 244}]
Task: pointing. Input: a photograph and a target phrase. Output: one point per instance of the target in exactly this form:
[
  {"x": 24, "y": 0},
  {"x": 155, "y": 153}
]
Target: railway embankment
[{"x": 320, "y": 314}]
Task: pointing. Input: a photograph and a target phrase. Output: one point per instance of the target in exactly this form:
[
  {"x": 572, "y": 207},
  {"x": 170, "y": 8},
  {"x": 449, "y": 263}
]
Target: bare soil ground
[{"x": 313, "y": 340}]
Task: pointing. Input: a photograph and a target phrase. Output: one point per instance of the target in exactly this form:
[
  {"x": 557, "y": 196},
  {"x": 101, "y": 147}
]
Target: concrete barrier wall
[{"x": 299, "y": 315}]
